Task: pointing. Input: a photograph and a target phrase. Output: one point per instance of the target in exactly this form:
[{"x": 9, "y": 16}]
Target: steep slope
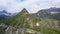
[{"x": 23, "y": 20}]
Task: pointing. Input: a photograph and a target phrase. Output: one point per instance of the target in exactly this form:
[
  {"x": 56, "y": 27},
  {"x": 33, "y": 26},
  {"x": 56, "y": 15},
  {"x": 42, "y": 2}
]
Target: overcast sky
[{"x": 32, "y": 6}]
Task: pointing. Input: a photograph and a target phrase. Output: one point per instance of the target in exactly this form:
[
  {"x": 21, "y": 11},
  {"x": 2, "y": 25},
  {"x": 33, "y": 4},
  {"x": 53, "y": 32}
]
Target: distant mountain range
[
  {"x": 4, "y": 14},
  {"x": 49, "y": 13},
  {"x": 44, "y": 13}
]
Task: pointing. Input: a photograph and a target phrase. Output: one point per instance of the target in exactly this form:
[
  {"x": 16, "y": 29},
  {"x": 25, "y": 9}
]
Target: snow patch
[{"x": 54, "y": 12}]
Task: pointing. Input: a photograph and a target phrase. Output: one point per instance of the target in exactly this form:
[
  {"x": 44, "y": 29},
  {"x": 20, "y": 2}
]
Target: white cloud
[{"x": 31, "y": 5}]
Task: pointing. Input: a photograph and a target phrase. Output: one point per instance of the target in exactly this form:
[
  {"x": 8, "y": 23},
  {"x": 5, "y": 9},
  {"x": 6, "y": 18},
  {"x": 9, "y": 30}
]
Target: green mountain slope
[{"x": 26, "y": 23}]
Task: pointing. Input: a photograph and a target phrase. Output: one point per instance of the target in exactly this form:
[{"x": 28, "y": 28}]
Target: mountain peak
[{"x": 24, "y": 11}]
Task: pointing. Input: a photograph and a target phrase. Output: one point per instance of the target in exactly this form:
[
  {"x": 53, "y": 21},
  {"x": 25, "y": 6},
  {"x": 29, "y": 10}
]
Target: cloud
[{"x": 31, "y": 5}]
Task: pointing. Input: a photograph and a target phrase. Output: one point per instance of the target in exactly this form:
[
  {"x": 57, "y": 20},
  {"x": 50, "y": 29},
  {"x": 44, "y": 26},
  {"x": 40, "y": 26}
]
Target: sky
[{"x": 32, "y": 6}]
